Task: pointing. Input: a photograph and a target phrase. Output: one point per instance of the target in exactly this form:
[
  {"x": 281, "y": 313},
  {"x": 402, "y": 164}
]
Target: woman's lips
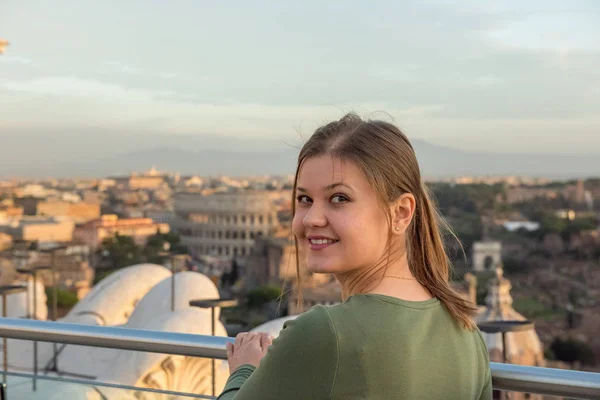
[{"x": 320, "y": 242}]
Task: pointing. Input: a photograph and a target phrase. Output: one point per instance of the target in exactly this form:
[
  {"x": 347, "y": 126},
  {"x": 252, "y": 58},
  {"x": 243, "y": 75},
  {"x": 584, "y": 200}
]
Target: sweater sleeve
[
  {"x": 300, "y": 364},
  {"x": 487, "y": 391}
]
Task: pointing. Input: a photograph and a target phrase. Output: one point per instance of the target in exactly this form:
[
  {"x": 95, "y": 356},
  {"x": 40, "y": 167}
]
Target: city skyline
[{"x": 511, "y": 77}]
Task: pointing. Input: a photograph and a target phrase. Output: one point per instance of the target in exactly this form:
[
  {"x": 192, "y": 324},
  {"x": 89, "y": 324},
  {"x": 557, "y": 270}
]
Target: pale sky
[{"x": 472, "y": 74}]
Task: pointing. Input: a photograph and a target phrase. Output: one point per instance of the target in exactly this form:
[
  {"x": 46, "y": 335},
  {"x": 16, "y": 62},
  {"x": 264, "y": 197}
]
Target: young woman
[{"x": 362, "y": 213}]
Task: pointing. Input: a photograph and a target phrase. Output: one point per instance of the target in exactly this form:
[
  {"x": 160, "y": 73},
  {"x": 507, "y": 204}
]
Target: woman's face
[{"x": 339, "y": 222}]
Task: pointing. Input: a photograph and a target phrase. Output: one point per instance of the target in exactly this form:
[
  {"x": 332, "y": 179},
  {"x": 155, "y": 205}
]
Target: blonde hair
[{"x": 386, "y": 157}]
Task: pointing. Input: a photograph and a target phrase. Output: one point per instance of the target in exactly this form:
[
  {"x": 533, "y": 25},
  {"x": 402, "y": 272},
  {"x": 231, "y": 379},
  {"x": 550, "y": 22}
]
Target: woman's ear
[{"x": 403, "y": 210}]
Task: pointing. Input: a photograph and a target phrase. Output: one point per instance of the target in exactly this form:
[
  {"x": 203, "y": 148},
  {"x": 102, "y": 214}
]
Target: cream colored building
[
  {"x": 522, "y": 193},
  {"x": 5, "y": 241},
  {"x": 79, "y": 212},
  {"x": 272, "y": 260},
  {"x": 161, "y": 216},
  {"x": 71, "y": 268},
  {"x": 11, "y": 212},
  {"x": 193, "y": 181},
  {"x": 151, "y": 179},
  {"x": 145, "y": 182},
  {"x": 94, "y": 232},
  {"x": 223, "y": 224},
  {"x": 486, "y": 255},
  {"x": 41, "y": 229}
]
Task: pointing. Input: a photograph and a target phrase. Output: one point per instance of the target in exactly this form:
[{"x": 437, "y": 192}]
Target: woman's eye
[
  {"x": 339, "y": 198},
  {"x": 303, "y": 199}
]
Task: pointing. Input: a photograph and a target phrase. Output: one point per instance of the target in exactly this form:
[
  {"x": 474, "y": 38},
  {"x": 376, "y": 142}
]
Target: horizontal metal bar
[
  {"x": 511, "y": 377},
  {"x": 549, "y": 381},
  {"x": 116, "y": 338},
  {"x": 87, "y": 382}
]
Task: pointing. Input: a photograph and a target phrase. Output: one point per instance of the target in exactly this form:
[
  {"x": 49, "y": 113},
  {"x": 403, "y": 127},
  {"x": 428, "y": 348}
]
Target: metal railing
[{"x": 510, "y": 377}]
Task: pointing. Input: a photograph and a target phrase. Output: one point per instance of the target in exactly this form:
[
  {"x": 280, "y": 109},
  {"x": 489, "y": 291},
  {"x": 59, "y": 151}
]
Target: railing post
[
  {"x": 35, "y": 343},
  {"x": 212, "y": 322},
  {"x": 4, "y": 342},
  {"x": 54, "y": 309},
  {"x": 5, "y": 290},
  {"x": 54, "y": 288},
  {"x": 172, "y": 284},
  {"x": 212, "y": 304}
]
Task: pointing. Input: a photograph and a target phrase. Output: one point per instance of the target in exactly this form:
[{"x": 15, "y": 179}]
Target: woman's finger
[
  {"x": 229, "y": 347},
  {"x": 239, "y": 339},
  {"x": 255, "y": 336},
  {"x": 265, "y": 341}
]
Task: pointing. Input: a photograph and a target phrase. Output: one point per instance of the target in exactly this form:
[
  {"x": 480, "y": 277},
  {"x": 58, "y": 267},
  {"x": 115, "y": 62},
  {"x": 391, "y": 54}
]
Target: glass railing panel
[
  {"x": 22, "y": 386},
  {"x": 144, "y": 369}
]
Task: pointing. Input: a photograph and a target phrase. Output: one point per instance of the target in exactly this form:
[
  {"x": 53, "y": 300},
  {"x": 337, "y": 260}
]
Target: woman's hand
[{"x": 249, "y": 348}]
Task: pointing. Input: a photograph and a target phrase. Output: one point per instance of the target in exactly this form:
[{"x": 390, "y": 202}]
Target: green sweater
[{"x": 370, "y": 347}]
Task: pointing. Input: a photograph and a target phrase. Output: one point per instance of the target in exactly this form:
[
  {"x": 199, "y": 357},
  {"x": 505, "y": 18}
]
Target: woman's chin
[
  {"x": 322, "y": 268},
  {"x": 318, "y": 271}
]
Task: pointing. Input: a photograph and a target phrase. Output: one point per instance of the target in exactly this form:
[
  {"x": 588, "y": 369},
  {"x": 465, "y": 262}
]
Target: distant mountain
[
  {"x": 437, "y": 162},
  {"x": 190, "y": 157},
  {"x": 187, "y": 162}
]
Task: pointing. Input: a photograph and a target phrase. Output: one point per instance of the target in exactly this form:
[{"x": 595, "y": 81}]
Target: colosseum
[{"x": 224, "y": 224}]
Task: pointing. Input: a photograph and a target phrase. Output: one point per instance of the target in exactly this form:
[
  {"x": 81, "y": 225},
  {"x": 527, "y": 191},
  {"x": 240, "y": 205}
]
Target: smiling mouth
[{"x": 322, "y": 241}]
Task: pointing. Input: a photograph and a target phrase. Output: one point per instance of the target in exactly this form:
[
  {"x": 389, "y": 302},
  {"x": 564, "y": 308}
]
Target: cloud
[
  {"x": 487, "y": 80},
  {"x": 168, "y": 75},
  {"x": 440, "y": 65},
  {"x": 550, "y": 30},
  {"x": 130, "y": 69},
  {"x": 122, "y": 67},
  {"x": 15, "y": 60},
  {"x": 420, "y": 110},
  {"x": 113, "y": 105},
  {"x": 69, "y": 86}
]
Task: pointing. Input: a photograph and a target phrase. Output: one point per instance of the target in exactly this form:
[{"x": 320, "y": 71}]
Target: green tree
[
  {"x": 230, "y": 278},
  {"x": 468, "y": 229},
  {"x": 262, "y": 295},
  {"x": 471, "y": 198},
  {"x": 155, "y": 245},
  {"x": 102, "y": 273},
  {"x": 552, "y": 224},
  {"x": 513, "y": 265},
  {"x": 577, "y": 225},
  {"x": 64, "y": 298},
  {"x": 121, "y": 251},
  {"x": 572, "y": 350}
]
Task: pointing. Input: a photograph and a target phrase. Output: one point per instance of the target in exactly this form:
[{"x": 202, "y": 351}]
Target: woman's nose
[{"x": 315, "y": 217}]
